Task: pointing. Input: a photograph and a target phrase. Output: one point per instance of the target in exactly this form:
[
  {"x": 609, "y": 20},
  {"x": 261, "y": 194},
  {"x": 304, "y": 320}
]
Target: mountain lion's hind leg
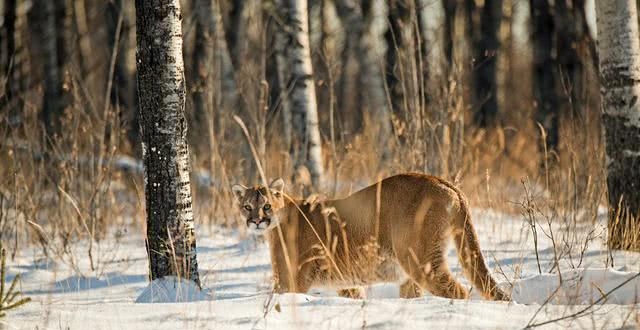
[{"x": 430, "y": 272}]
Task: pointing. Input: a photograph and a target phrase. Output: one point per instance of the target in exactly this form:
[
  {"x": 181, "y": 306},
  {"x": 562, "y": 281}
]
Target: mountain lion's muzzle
[{"x": 258, "y": 223}]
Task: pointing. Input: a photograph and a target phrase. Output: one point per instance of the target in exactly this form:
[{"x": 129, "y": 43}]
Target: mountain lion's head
[{"x": 259, "y": 204}]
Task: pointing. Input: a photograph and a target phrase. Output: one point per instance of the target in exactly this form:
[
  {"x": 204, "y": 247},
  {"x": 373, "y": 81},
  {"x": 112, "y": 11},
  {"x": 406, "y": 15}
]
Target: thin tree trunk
[
  {"x": 574, "y": 59},
  {"x": 398, "y": 42},
  {"x": 450, "y": 8},
  {"x": 236, "y": 31},
  {"x": 619, "y": 50},
  {"x": 11, "y": 103},
  {"x": 486, "y": 85},
  {"x": 282, "y": 76},
  {"x": 44, "y": 17},
  {"x": 460, "y": 92},
  {"x": 422, "y": 52},
  {"x": 436, "y": 121},
  {"x": 302, "y": 98},
  {"x": 122, "y": 91},
  {"x": 349, "y": 94},
  {"x": 84, "y": 38},
  {"x": 544, "y": 80},
  {"x": 212, "y": 62},
  {"x": 9, "y": 35},
  {"x": 161, "y": 89},
  {"x": 372, "y": 85},
  {"x": 202, "y": 65}
]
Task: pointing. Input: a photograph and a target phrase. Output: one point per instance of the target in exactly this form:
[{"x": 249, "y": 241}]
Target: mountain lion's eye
[
  {"x": 267, "y": 207},
  {"x": 247, "y": 207}
]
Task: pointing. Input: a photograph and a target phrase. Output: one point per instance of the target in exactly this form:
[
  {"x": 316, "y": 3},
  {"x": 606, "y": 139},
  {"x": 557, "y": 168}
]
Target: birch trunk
[
  {"x": 282, "y": 76},
  {"x": 302, "y": 98},
  {"x": 619, "y": 50},
  {"x": 161, "y": 89}
]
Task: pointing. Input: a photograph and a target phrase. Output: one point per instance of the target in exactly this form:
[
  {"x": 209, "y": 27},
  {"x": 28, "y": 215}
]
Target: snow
[
  {"x": 236, "y": 279},
  {"x": 171, "y": 289},
  {"x": 579, "y": 286}
]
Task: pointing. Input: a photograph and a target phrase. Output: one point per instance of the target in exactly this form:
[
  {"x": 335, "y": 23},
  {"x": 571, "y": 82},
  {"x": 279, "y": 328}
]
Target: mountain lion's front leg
[{"x": 286, "y": 280}]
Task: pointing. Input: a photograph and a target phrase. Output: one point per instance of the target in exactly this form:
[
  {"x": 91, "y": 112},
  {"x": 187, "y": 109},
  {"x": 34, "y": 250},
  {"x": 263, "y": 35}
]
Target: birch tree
[
  {"x": 282, "y": 74},
  {"x": 307, "y": 150},
  {"x": 171, "y": 242},
  {"x": 619, "y": 50}
]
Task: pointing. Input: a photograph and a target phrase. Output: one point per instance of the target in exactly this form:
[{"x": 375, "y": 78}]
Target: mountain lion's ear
[
  {"x": 238, "y": 191},
  {"x": 277, "y": 186}
]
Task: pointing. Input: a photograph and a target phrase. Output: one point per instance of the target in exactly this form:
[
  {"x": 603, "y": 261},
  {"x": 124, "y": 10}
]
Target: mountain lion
[{"x": 405, "y": 220}]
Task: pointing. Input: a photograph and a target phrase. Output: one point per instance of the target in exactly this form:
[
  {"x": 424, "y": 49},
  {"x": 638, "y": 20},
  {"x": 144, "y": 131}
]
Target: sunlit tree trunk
[
  {"x": 619, "y": 51},
  {"x": 307, "y": 149},
  {"x": 161, "y": 89}
]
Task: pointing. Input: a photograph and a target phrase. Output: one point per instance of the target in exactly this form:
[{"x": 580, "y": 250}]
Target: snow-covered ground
[{"x": 236, "y": 274}]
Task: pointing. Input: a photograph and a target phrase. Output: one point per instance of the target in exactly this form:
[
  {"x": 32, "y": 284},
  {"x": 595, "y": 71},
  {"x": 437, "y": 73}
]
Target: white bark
[
  {"x": 285, "y": 108},
  {"x": 302, "y": 98},
  {"x": 619, "y": 53},
  {"x": 161, "y": 85},
  {"x": 619, "y": 49}
]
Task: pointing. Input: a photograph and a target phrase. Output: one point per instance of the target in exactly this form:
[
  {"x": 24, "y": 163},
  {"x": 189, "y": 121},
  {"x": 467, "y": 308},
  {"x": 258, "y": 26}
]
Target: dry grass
[{"x": 96, "y": 195}]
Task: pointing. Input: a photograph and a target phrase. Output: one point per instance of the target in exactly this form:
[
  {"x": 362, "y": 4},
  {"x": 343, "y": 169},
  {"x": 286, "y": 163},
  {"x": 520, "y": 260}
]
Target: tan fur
[{"x": 404, "y": 220}]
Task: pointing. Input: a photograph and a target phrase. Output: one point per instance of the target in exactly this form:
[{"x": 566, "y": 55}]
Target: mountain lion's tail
[{"x": 469, "y": 252}]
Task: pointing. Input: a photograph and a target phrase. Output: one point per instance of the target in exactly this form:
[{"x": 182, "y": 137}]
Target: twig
[
  {"x": 584, "y": 310},
  {"x": 546, "y": 301}
]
